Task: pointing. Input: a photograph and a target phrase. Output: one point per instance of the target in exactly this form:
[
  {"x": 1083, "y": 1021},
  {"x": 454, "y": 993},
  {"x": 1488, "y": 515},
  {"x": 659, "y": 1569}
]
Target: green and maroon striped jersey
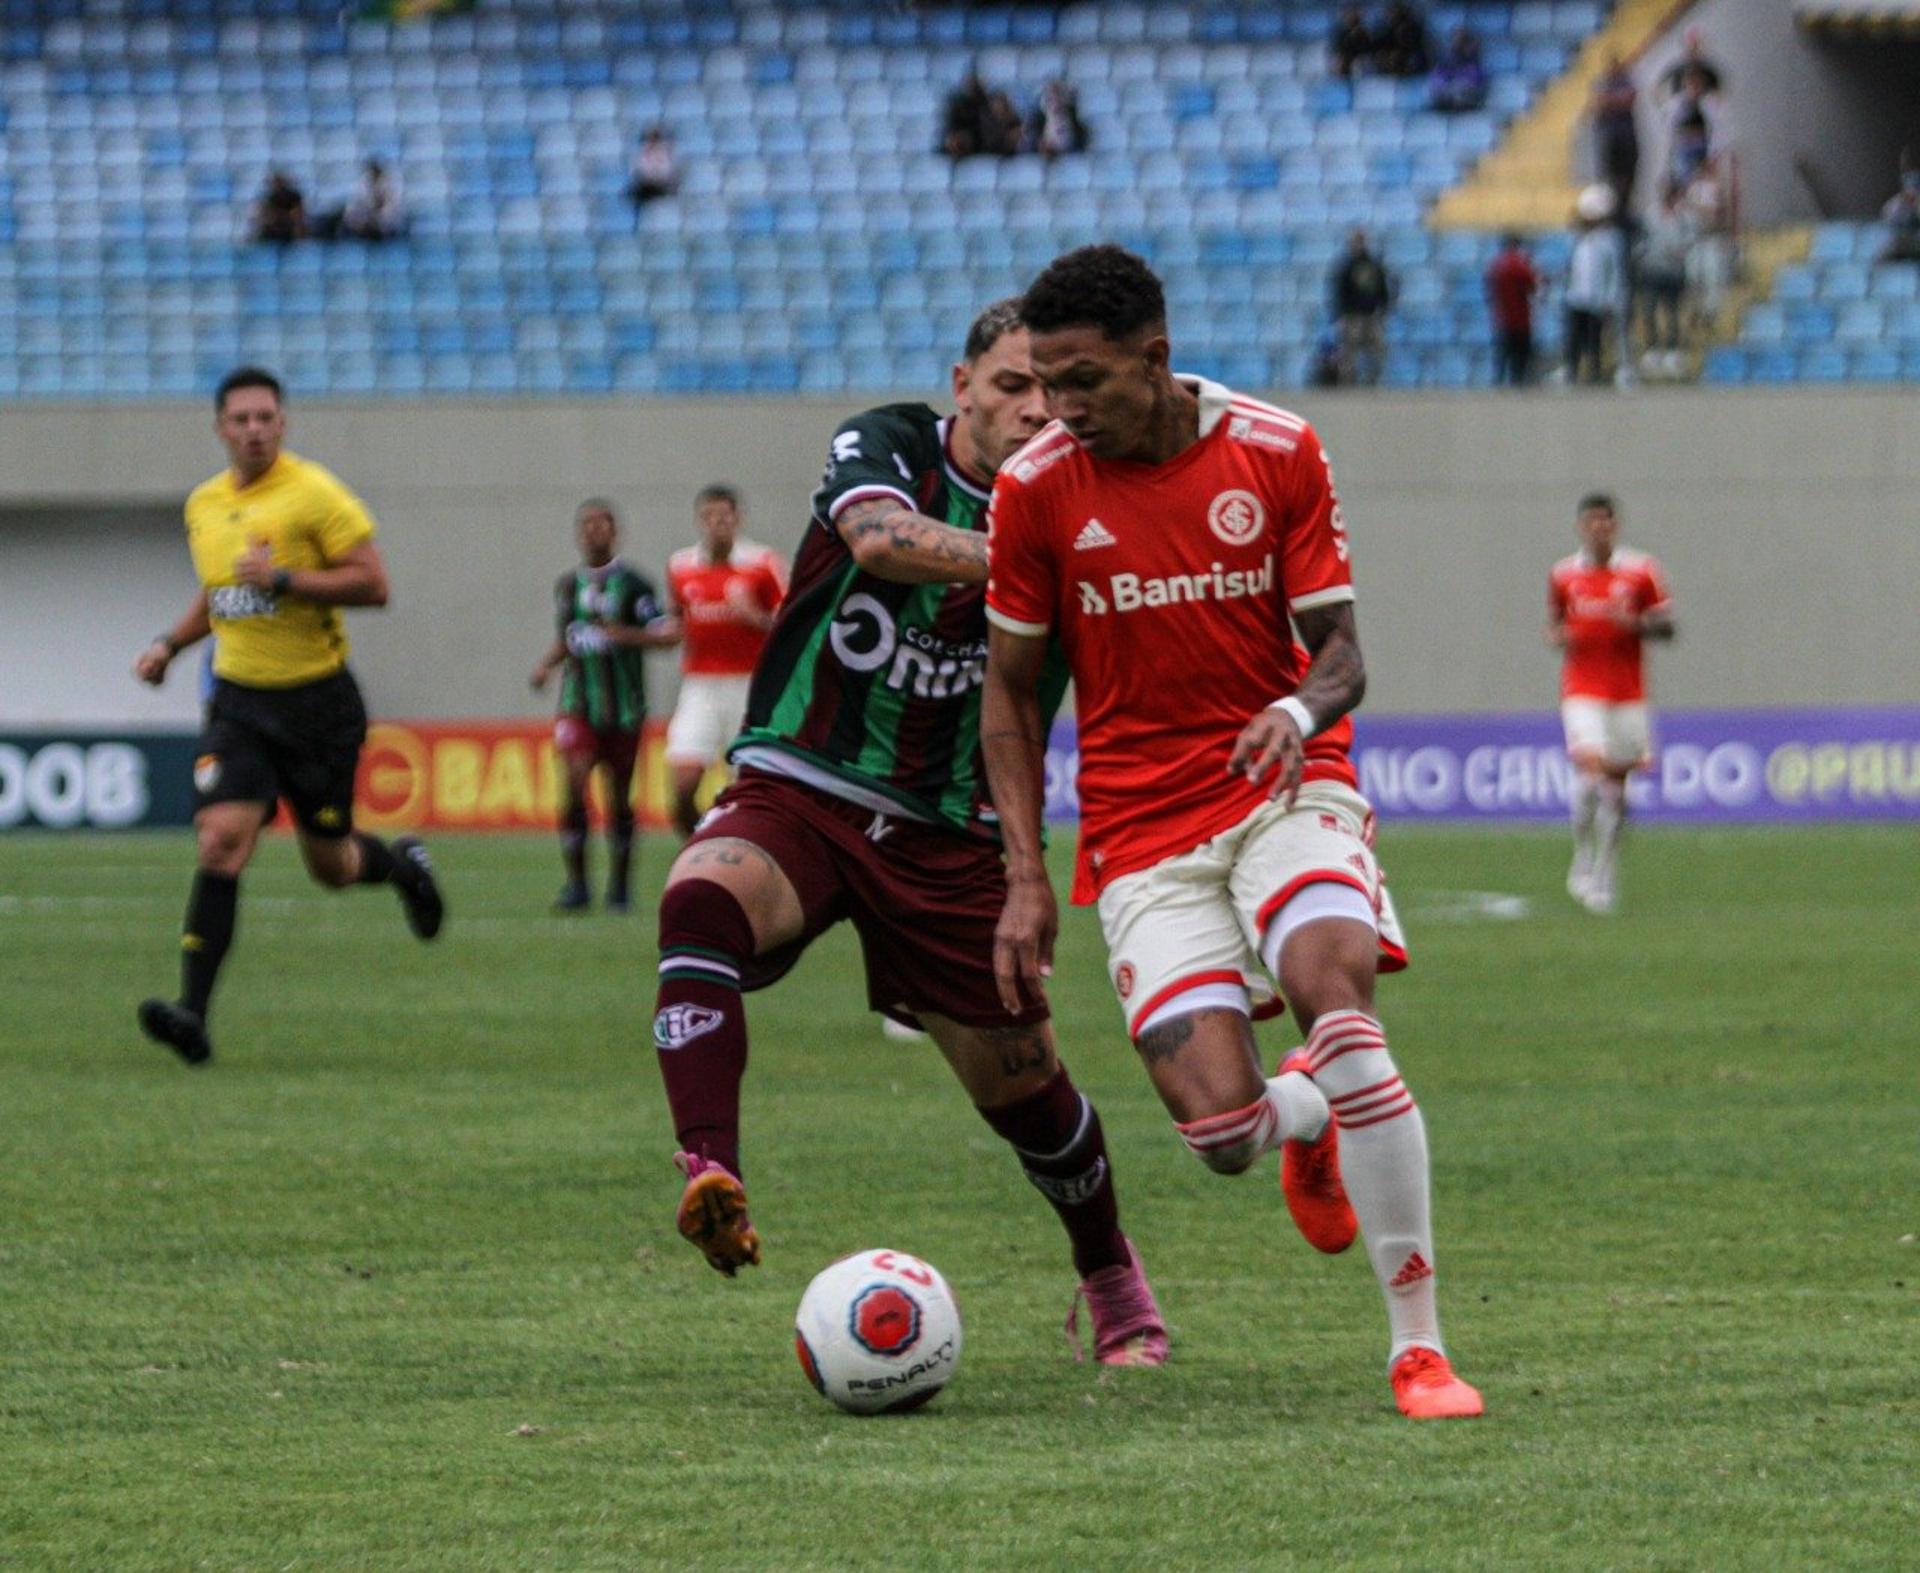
[
  {"x": 867, "y": 688},
  {"x": 607, "y": 689}
]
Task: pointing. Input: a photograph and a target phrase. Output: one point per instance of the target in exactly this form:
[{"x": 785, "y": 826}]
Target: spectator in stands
[
  {"x": 280, "y": 214},
  {"x": 1616, "y": 137},
  {"x": 1660, "y": 282},
  {"x": 1693, "y": 58},
  {"x": 1596, "y": 285},
  {"x": 1362, "y": 293},
  {"x": 1055, "y": 126},
  {"x": 1404, "y": 48},
  {"x": 1707, "y": 200},
  {"x": 1901, "y": 215},
  {"x": 656, "y": 168},
  {"x": 1350, "y": 50},
  {"x": 1003, "y": 129},
  {"x": 375, "y": 211},
  {"x": 1512, "y": 283},
  {"x": 1459, "y": 82},
  {"x": 966, "y": 114},
  {"x": 1690, "y": 127}
]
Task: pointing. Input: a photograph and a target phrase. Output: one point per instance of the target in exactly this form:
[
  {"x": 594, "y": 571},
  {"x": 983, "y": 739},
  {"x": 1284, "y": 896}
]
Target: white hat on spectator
[{"x": 1595, "y": 204}]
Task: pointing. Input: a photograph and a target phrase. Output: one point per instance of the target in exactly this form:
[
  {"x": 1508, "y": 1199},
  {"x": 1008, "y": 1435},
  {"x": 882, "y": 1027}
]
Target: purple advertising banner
[{"x": 1712, "y": 767}]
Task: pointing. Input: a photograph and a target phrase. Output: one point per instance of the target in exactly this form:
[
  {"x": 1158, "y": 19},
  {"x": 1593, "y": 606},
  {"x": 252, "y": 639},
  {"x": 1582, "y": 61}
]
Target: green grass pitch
[{"x": 394, "y": 1283}]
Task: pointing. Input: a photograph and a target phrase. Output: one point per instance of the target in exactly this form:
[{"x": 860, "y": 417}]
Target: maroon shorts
[
  {"x": 924, "y": 900},
  {"x": 583, "y": 743}
]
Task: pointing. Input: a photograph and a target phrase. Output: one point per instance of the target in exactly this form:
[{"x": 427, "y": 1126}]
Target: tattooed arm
[
  {"x": 1333, "y": 685},
  {"x": 891, "y": 541}
]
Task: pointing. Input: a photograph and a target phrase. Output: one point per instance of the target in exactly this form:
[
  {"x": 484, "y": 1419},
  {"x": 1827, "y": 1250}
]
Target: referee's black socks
[{"x": 208, "y": 933}]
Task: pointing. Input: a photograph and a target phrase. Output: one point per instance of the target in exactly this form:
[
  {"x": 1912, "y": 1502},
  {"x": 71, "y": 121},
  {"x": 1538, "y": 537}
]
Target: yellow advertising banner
[{"x": 485, "y": 775}]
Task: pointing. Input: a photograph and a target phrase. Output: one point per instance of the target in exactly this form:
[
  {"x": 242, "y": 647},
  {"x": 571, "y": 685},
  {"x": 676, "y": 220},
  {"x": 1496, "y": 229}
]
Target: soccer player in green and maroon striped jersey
[
  {"x": 860, "y": 797},
  {"x": 607, "y": 615}
]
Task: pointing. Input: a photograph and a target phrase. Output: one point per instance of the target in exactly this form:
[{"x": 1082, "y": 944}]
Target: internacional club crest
[{"x": 1236, "y": 517}]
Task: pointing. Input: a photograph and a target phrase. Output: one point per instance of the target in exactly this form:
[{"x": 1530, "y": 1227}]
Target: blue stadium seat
[{"x": 133, "y": 145}]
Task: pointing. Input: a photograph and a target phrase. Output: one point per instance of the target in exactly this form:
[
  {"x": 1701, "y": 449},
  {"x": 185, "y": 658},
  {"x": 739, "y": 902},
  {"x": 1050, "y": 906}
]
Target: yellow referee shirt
[{"x": 300, "y": 511}]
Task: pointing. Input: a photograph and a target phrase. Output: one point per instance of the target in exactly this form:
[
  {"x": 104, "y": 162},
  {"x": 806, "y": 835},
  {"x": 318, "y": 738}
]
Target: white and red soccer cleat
[
  {"x": 1127, "y": 1329},
  {"x": 1425, "y": 1388},
  {"x": 1310, "y": 1180},
  {"x": 713, "y": 1214}
]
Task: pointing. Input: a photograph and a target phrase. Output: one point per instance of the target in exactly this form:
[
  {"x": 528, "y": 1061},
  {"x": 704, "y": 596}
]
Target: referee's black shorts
[{"x": 302, "y": 743}]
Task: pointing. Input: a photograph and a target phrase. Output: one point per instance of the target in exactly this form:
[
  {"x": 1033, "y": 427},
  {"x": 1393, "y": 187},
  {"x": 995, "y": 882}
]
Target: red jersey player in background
[
  {"x": 1172, "y": 535},
  {"x": 1603, "y": 604},
  {"x": 724, "y": 591}
]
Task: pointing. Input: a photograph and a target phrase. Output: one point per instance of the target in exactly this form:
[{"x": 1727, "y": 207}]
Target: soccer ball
[{"x": 878, "y": 1331}]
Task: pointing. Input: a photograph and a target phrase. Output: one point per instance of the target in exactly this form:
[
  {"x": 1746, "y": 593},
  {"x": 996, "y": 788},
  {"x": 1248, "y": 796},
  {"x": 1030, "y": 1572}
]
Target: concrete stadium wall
[{"x": 1788, "y": 520}]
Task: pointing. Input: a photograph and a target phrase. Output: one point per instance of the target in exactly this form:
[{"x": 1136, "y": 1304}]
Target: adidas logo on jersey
[{"x": 1093, "y": 534}]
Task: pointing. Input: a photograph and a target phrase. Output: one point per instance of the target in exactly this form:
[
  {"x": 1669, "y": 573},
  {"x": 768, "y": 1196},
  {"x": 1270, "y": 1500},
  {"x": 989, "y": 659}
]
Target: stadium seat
[{"x": 1220, "y": 147}]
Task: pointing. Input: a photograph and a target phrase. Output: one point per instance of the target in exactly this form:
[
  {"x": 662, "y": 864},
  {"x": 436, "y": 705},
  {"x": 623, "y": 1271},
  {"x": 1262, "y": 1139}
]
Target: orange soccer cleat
[
  {"x": 1425, "y": 1388},
  {"x": 1310, "y": 1180},
  {"x": 713, "y": 1214}
]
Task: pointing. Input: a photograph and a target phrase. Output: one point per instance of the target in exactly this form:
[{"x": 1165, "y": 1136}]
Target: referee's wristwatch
[{"x": 282, "y": 580}]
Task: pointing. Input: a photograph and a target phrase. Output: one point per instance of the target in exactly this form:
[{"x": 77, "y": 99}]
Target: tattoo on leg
[
  {"x": 1164, "y": 1041},
  {"x": 729, "y": 853},
  {"x": 1019, "y": 1048}
]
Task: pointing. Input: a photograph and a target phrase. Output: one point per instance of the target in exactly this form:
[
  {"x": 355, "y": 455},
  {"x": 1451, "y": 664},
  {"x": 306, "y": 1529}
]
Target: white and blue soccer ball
[{"x": 877, "y": 1332}]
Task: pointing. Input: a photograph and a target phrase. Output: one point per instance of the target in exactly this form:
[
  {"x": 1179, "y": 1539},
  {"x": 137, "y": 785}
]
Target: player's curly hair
[{"x": 1104, "y": 287}]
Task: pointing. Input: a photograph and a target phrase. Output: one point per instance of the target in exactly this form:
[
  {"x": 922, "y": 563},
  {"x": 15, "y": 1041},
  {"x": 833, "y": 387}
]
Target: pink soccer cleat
[
  {"x": 1127, "y": 1329},
  {"x": 1310, "y": 1180},
  {"x": 713, "y": 1214}
]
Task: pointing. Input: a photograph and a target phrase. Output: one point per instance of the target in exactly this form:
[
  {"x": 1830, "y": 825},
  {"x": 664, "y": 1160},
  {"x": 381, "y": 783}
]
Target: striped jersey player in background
[
  {"x": 1603, "y": 604},
  {"x": 607, "y": 615},
  {"x": 860, "y": 797},
  {"x": 724, "y": 592},
  {"x": 1172, "y": 535}
]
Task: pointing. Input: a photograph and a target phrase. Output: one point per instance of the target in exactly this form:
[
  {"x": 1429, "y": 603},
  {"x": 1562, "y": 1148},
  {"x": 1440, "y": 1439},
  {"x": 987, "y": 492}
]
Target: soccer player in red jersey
[
  {"x": 1173, "y": 535},
  {"x": 724, "y": 591},
  {"x": 1603, "y": 604},
  {"x": 860, "y": 798}
]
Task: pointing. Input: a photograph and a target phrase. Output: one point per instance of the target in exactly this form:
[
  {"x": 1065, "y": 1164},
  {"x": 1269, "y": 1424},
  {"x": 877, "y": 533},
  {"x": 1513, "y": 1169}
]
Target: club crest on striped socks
[{"x": 678, "y": 1025}]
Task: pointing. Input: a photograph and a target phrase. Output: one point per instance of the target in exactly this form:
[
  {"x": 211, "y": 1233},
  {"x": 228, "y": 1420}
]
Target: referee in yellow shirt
[{"x": 279, "y": 546}]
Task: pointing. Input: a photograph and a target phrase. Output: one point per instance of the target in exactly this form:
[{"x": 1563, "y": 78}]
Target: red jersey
[
  {"x": 1512, "y": 281},
  {"x": 1598, "y": 607},
  {"x": 1169, "y": 587},
  {"x": 714, "y": 601}
]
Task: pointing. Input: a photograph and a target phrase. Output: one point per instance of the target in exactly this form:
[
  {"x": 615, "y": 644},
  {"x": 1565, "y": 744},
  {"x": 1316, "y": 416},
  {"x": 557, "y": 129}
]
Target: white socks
[{"x": 1383, "y": 1160}]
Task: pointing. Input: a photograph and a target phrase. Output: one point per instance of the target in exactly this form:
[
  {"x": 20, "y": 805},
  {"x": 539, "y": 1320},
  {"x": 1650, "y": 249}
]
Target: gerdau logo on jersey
[
  {"x": 866, "y": 638},
  {"x": 1128, "y": 592},
  {"x": 230, "y": 602}
]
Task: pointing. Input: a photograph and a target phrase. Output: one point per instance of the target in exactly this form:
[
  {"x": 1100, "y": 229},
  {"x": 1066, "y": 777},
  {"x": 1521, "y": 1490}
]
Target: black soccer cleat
[
  {"x": 618, "y": 901},
  {"x": 178, "y": 1028},
  {"x": 573, "y": 898},
  {"x": 419, "y": 891}
]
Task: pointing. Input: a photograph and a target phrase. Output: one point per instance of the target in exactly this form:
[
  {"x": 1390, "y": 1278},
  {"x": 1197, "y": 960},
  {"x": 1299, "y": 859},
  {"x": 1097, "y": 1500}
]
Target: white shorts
[
  {"x": 706, "y": 719},
  {"x": 1195, "y": 923},
  {"x": 1607, "y": 733}
]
